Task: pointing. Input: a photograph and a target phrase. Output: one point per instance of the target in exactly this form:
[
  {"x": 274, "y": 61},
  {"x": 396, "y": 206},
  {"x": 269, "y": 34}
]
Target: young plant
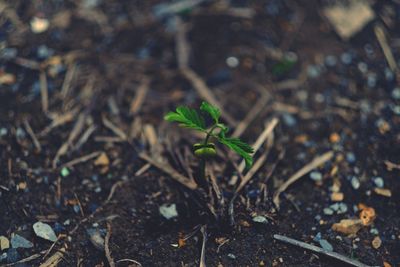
[{"x": 192, "y": 119}]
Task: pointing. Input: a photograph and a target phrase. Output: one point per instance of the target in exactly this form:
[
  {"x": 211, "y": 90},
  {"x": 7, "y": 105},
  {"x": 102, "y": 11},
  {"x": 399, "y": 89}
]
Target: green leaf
[
  {"x": 240, "y": 147},
  {"x": 187, "y": 117},
  {"x": 214, "y": 112}
]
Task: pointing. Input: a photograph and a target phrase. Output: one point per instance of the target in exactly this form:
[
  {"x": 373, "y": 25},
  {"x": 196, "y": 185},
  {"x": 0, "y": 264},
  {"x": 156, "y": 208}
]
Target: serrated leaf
[
  {"x": 240, "y": 147},
  {"x": 187, "y": 117},
  {"x": 214, "y": 112}
]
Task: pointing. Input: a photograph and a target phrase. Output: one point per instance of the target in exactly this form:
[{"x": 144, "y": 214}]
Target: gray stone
[
  {"x": 18, "y": 241},
  {"x": 168, "y": 211},
  {"x": 316, "y": 176},
  {"x": 355, "y": 183},
  {"x": 44, "y": 231},
  {"x": 378, "y": 181}
]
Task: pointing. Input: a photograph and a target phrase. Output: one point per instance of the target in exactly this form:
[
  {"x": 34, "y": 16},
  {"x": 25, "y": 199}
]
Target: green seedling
[{"x": 205, "y": 150}]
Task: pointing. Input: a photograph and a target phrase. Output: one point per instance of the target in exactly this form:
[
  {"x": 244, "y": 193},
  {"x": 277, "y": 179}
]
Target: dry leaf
[
  {"x": 376, "y": 242},
  {"x": 349, "y": 19},
  {"x": 348, "y": 226}
]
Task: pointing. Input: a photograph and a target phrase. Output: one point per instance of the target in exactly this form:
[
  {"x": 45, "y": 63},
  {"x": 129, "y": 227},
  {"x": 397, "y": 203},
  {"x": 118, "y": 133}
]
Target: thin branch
[
  {"x": 44, "y": 91},
  {"x": 32, "y": 135},
  {"x": 117, "y": 131},
  {"x": 203, "y": 230},
  {"x": 106, "y": 246},
  {"x": 316, "y": 162},
  {"x": 82, "y": 159},
  {"x": 380, "y": 35},
  {"x": 166, "y": 168},
  {"x": 320, "y": 250},
  {"x": 141, "y": 93}
]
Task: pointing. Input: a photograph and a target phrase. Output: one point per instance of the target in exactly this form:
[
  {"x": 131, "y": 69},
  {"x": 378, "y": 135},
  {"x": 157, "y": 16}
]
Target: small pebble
[
  {"x": 376, "y": 242},
  {"x": 260, "y": 219},
  {"x": 96, "y": 238},
  {"x": 316, "y": 176},
  {"x": 346, "y": 58},
  {"x": 378, "y": 181},
  {"x": 342, "y": 208},
  {"x": 371, "y": 80},
  {"x": 39, "y": 25},
  {"x": 3, "y": 256},
  {"x": 3, "y": 132},
  {"x": 313, "y": 71},
  {"x": 64, "y": 172},
  {"x": 350, "y": 157},
  {"x": 8, "y": 53},
  {"x": 232, "y": 62},
  {"x": 334, "y": 207},
  {"x": 337, "y": 196},
  {"x": 330, "y": 60},
  {"x": 362, "y": 67},
  {"x": 374, "y": 231},
  {"x": 168, "y": 211},
  {"x": 13, "y": 255},
  {"x": 289, "y": 120},
  {"x": 232, "y": 256},
  {"x": 389, "y": 76},
  {"x": 328, "y": 211},
  {"x": 355, "y": 183},
  {"x": 396, "y": 93}
]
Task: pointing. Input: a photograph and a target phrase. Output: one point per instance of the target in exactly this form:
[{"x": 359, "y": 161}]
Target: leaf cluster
[{"x": 192, "y": 119}]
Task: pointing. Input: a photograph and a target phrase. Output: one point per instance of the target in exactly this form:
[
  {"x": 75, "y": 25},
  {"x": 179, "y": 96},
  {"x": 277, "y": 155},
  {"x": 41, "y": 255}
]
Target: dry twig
[
  {"x": 320, "y": 250},
  {"x": 82, "y": 159},
  {"x": 32, "y": 135},
  {"x": 316, "y": 162},
  {"x": 141, "y": 93},
  {"x": 54, "y": 259},
  {"x": 117, "y": 131},
  {"x": 203, "y": 230},
  {"x": 380, "y": 35},
  {"x": 166, "y": 168},
  {"x": 107, "y": 247},
  {"x": 78, "y": 127},
  {"x": 44, "y": 91}
]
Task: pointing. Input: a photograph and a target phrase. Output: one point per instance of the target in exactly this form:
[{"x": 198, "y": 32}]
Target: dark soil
[{"x": 113, "y": 45}]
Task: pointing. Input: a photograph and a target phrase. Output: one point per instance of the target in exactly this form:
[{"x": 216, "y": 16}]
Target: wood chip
[
  {"x": 348, "y": 226},
  {"x": 376, "y": 242},
  {"x": 383, "y": 192},
  {"x": 367, "y": 216},
  {"x": 337, "y": 196}
]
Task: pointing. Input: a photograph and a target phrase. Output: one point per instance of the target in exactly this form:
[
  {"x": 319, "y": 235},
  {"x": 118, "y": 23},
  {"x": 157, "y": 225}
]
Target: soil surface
[{"x": 84, "y": 87}]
